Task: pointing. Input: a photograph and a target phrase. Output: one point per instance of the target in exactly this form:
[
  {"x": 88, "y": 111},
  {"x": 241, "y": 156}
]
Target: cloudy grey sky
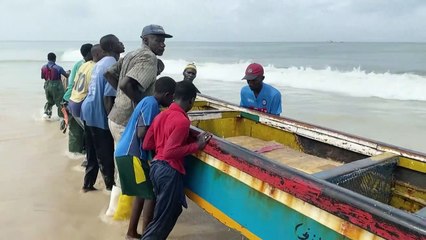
[{"x": 220, "y": 20}]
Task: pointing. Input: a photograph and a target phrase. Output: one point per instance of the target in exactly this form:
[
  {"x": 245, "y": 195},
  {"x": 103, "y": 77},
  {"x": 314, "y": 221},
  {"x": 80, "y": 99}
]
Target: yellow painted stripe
[
  {"x": 200, "y": 103},
  {"x": 219, "y": 215},
  {"x": 412, "y": 164}
]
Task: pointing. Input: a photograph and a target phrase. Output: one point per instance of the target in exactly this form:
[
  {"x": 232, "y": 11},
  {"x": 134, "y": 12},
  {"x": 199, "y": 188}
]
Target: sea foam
[{"x": 357, "y": 82}]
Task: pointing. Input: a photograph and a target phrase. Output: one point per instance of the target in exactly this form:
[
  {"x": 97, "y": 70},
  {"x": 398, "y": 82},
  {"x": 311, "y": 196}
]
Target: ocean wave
[
  {"x": 70, "y": 56},
  {"x": 357, "y": 82}
]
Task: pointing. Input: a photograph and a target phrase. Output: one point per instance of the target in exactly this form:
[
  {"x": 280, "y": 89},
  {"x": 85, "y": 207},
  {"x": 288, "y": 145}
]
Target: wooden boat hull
[
  {"x": 265, "y": 200},
  {"x": 254, "y": 213}
]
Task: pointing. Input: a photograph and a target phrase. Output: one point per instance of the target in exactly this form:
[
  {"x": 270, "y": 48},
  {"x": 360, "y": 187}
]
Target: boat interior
[{"x": 391, "y": 179}]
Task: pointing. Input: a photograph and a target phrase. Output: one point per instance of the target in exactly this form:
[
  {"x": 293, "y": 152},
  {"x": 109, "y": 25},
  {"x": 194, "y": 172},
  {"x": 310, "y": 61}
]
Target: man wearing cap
[
  {"x": 133, "y": 76},
  {"x": 190, "y": 73},
  {"x": 259, "y": 95}
]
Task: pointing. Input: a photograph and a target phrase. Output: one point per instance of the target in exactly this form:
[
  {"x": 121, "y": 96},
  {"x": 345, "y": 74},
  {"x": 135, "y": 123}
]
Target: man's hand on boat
[{"x": 203, "y": 139}]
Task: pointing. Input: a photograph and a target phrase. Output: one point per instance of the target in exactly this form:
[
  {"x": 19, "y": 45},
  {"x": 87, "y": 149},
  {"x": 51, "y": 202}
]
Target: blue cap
[{"x": 154, "y": 30}]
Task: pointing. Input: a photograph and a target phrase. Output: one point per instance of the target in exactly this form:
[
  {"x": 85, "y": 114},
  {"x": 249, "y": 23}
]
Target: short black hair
[
  {"x": 165, "y": 85},
  {"x": 51, "y": 56},
  {"x": 106, "y": 42},
  {"x": 185, "y": 90},
  {"x": 85, "y": 49},
  {"x": 95, "y": 47}
]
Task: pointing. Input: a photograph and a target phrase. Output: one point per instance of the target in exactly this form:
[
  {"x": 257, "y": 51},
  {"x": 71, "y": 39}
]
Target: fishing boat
[{"x": 272, "y": 177}]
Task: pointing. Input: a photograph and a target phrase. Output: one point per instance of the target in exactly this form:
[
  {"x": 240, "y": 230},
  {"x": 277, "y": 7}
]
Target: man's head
[
  {"x": 153, "y": 36},
  {"x": 164, "y": 90},
  {"x": 160, "y": 66},
  {"x": 185, "y": 94},
  {"x": 51, "y": 57},
  {"x": 111, "y": 44},
  {"x": 254, "y": 76},
  {"x": 97, "y": 52},
  {"x": 190, "y": 72},
  {"x": 85, "y": 51}
]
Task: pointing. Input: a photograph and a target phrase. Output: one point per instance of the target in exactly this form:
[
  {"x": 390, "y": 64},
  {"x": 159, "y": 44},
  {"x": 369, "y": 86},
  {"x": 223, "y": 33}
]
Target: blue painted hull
[{"x": 263, "y": 216}]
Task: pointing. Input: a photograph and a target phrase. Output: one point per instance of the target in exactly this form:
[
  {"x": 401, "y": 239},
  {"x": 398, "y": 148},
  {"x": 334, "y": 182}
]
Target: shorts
[{"x": 134, "y": 177}]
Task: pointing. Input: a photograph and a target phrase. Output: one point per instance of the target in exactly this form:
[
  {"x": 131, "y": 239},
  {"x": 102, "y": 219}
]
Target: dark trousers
[
  {"x": 100, "y": 156},
  {"x": 168, "y": 189}
]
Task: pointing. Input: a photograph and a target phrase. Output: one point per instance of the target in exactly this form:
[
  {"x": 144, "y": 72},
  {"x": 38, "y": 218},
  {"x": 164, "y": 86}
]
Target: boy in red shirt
[{"x": 168, "y": 136}]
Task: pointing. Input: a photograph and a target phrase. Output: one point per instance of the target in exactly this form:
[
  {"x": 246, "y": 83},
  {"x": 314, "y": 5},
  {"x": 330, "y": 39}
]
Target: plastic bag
[{"x": 124, "y": 208}]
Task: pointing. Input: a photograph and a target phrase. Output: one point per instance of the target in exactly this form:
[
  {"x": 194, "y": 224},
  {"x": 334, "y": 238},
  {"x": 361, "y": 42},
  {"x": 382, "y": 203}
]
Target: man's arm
[
  {"x": 73, "y": 72},
  {"x": 131, "y": 88},
  {"x": 113, "y": 73},
  {"x": 276, "y": 104},
  {"x": 109, "y": 97},
  {"x": 148, "y": 142},
  {"x": 65, "y": 74},
  {"x": 176, "y": 145},
  {"x": 147, "y": 114},
  {"x": 142, "y": 132},
  {"x": 242, "y": 99},
  {"x": 139, "y": 78},
  {"x": 112, "y": 79},
  {"x": 108, "y": 103}
]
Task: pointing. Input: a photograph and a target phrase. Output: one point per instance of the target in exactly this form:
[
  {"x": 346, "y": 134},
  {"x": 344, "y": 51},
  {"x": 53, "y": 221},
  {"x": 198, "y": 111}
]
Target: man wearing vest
[{"x": 53, "y": 87}]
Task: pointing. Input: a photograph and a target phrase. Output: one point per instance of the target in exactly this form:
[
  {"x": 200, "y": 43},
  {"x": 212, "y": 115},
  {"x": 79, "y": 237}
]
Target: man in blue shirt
[
  {"x": 132, "y": 160},
  {"x": 94, "y": 111},
  {"x": 259, "y": 95}
]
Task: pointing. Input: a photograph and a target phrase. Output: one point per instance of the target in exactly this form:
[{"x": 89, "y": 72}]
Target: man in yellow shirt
[{"x": 78, "y": 94}]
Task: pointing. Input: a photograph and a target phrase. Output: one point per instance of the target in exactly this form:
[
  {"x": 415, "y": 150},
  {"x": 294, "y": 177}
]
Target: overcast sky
[{"x": 219, "y": 20}]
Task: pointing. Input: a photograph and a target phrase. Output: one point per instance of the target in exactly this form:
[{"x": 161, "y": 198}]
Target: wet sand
[{"x": 40, "y": 186}]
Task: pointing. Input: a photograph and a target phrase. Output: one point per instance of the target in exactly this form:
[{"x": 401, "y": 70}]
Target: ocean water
[{"x": 374, "y": 90}]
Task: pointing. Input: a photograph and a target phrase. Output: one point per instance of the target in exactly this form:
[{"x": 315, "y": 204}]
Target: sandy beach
[{"x": 40, "y": 186}]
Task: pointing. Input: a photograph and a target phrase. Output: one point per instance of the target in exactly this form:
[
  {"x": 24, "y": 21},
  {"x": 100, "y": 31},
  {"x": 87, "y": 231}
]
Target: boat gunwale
[{"x": 310, "y": 130}]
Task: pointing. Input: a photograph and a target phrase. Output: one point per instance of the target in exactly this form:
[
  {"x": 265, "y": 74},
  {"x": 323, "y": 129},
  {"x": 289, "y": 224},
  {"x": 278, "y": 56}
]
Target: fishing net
[{"x": 374, "y": 181}]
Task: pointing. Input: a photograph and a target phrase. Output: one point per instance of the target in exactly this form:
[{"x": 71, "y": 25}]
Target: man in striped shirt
[{"x": 134, "y": 77}]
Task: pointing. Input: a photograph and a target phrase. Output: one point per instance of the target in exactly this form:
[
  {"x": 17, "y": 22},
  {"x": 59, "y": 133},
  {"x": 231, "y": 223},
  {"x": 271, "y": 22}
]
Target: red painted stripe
[{"x": 311, "y": 193}]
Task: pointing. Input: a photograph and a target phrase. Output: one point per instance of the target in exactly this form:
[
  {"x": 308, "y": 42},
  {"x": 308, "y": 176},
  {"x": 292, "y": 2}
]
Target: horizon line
[{"x": 183, "y": 41}]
